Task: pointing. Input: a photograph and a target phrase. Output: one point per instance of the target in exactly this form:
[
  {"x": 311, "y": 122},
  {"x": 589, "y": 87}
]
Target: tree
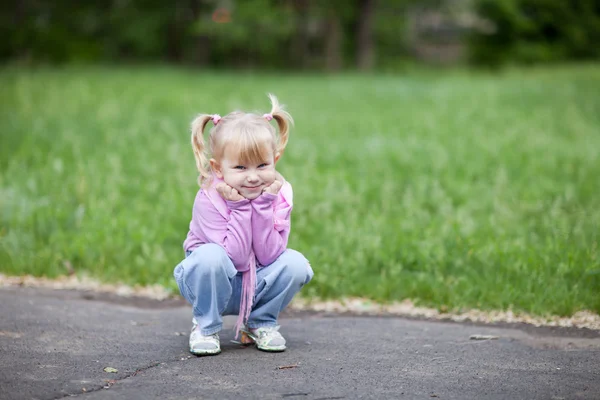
[{"x": 365, "y": 49}]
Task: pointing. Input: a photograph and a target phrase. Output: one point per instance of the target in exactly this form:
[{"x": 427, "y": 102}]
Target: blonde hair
[{"x": 246, "y": 133}]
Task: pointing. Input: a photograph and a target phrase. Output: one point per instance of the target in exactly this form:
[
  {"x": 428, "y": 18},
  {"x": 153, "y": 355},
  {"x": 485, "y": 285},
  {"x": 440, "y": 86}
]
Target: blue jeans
[{"x": 208, "y": 280}]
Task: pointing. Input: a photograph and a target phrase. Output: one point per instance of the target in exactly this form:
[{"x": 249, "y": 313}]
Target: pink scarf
[{"x": 248, "y": 290}]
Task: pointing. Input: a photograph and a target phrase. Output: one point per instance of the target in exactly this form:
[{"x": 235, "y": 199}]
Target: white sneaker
[
  {"x": 201, "y": 345},
  {"x": 267, "y": 338}
]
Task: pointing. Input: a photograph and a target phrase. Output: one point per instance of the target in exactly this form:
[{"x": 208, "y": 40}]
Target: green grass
[{"x": 455, "y": 189}]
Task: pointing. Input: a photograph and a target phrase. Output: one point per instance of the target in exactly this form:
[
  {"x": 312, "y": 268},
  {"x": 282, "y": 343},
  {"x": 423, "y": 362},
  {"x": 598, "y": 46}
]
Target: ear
[
  {"x": 277, "y": 157},
  {"x": 216, "y": 167}
]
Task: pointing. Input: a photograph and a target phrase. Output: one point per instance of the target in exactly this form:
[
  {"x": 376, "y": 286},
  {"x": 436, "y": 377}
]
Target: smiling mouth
[{"x": 252, "y": 187}]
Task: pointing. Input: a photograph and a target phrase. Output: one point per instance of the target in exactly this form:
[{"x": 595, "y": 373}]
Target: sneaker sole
[
  {"x": 205, "y": 352},
  {"x": 277, "y": 349}
]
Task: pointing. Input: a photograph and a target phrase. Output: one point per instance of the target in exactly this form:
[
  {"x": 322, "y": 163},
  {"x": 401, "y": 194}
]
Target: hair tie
[
  {"x": 216, "y": 118},
  {"x": 268, "y": 117}
]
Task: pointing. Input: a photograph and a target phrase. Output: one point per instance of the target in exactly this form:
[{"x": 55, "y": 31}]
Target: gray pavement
[{"x": 56, "y": 344}]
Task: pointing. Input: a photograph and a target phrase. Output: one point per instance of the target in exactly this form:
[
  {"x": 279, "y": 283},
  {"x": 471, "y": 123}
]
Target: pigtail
[
  {"x": 284, "y": 120},
  {"x": 198, "y": 125}
]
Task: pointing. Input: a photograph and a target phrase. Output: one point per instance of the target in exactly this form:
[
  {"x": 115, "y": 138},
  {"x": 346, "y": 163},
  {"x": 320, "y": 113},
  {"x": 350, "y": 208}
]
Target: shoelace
[
  {"x": 271, "y": 331},
  {"x": 262, "y": 333},
  {"x": 259, "y": 333}
]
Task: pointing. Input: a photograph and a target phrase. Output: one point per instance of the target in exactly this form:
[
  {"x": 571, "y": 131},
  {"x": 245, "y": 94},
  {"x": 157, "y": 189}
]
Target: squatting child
[{"x": 237, "y": 260}]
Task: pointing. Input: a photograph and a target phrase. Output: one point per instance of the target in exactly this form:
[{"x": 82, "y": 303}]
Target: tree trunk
[
  {"x": 333, "y": 44},
  {"x": 299, "y": 50},
  {"x": 201, "y": 55},
  {"x": 365, "y": 52},
  {"x": 174, "y": 34}
]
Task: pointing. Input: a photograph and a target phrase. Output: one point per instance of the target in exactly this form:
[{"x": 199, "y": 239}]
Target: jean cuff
[
  {"x": 206, "y": 332},
  {"x": 253, "y": 325}
]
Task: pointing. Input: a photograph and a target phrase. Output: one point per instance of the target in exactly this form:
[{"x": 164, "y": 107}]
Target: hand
[
  {"x": 274, "y": 187},
  {"x": 228, "y": 193}
]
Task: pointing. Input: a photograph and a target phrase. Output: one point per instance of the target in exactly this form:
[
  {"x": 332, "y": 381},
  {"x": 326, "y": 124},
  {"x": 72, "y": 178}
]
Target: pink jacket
[
  {"x": 240, "y": 227},
  {"x": 254, "y": 233}
]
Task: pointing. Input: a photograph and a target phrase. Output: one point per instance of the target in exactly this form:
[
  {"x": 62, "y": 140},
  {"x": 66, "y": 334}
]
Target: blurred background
[
  {"x": 301, "y": 34},
  {"x": 444, "y": 151}
]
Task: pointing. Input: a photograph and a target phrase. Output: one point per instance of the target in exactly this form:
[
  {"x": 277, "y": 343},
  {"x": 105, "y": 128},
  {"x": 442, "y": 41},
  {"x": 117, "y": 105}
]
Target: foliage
[
  {"x": 205, "y": 32},
  {"x": 534, "y": 31},
  {"x": 291, "y": 34}
]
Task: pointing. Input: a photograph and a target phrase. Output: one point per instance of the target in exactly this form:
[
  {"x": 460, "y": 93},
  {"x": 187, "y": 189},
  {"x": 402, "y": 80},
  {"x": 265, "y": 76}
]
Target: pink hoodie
[{"x": 254, "y": 233}]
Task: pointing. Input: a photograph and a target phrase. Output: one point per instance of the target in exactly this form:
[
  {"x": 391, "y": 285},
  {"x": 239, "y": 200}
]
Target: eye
[
  {"x": 263, "y": 165},
  {"x": 240, "y": 167}
]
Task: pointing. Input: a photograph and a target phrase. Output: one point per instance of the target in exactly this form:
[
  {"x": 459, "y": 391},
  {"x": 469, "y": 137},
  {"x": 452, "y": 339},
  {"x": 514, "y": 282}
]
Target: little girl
[{"x": 237, "y": 260}]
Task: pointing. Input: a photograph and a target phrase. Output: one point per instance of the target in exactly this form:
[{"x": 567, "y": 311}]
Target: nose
[{"x": 252, "y": 177}]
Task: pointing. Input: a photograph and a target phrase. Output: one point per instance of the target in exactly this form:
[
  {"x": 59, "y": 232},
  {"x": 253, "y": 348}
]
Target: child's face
[{"x": 248, "y": 179}]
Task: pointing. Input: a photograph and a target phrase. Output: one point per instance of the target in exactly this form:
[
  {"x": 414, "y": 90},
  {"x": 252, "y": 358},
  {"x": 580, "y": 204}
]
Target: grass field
[{"x": 454, "y": 189}]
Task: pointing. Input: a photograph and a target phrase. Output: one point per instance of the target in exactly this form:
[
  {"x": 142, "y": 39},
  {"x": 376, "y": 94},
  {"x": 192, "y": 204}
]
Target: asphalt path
[{"x": 56, "y": 344}]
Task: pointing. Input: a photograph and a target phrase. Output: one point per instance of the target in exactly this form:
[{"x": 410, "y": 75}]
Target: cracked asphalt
[{"x": 56, "y": 344}]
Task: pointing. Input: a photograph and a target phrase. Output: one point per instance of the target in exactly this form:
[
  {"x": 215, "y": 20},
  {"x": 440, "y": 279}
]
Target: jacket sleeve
[
  {"x": 270, "y": 227},
  {"x": 234, "y": 234}
]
